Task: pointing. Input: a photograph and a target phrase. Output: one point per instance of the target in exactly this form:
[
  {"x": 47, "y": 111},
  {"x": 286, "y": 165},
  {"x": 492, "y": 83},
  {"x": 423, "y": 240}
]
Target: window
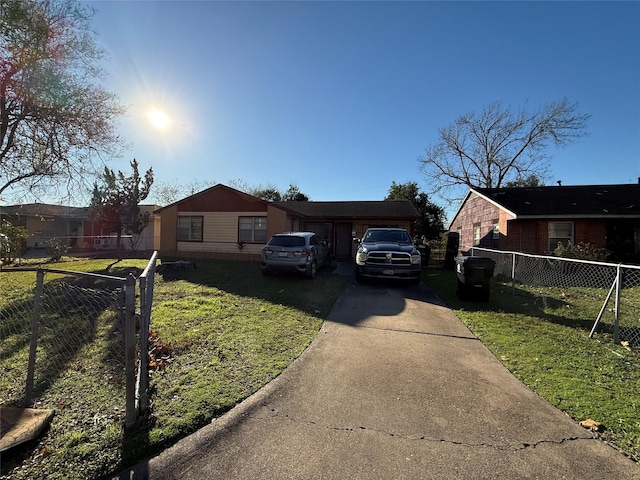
[
  {"x": 252, "y": 229},
  {"x": 560, "y": 232},
  {"x": 495, "y": 237},
  {"x": 190, "y": 229},
  {"x": 476, "y": 235},
  {"x": 496, "y": 230}
]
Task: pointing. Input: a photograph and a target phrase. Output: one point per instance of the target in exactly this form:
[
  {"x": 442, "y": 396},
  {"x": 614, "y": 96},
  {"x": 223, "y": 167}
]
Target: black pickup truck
[{"x": 387, "y": 253}]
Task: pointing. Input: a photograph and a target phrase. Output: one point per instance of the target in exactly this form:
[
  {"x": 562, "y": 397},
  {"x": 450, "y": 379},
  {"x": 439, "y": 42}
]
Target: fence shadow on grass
[
  {"x": 507, "y": 299},
  {"x": 244, "y": 278}
]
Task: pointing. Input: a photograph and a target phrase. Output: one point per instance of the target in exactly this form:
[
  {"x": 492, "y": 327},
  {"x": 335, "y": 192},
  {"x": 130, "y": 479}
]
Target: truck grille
[{"x": 389, "y": 258}]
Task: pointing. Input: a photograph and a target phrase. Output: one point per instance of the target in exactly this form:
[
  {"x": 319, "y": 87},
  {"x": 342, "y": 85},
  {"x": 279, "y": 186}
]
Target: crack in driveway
[{"x": 510, "y": 447}]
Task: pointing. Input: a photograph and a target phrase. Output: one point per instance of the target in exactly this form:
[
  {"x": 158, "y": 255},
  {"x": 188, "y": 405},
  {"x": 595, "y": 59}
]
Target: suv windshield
[
  {"x": 399, "y": 236},
  {"x": 287, "y": 241}
]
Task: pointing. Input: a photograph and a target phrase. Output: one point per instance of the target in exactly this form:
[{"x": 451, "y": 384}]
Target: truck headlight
[
  {"x": 416, "y": 257},
  {"x": 361, "y": 256}
]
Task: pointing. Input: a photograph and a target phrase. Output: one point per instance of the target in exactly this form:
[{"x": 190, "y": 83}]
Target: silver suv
[{"x": 300, "y": 252}]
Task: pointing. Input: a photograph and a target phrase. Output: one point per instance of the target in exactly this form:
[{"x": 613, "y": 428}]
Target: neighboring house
[
  {"x": 535, "y": 219},
  {"x": 223, "y": 222},
  {"x": 74, "y": 226}
]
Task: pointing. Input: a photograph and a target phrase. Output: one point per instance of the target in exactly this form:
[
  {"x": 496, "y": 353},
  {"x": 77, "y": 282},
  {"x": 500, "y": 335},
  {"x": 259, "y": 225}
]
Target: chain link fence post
[
  {"x": 33, "y": 344},
  {"x": 130, "y": 350}
]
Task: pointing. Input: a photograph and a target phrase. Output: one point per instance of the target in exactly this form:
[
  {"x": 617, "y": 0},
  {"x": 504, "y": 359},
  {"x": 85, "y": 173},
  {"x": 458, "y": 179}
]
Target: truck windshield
[{"x": 395, "y": 236}]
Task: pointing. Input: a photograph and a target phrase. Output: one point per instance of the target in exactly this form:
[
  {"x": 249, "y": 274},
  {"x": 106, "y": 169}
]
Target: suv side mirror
[{"x": 356, "y": 240}]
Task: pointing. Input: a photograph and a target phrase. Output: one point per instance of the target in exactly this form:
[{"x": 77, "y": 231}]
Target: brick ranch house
[
  {"x": 221, "y": 222},
  {"x": 534, "y": 219}
]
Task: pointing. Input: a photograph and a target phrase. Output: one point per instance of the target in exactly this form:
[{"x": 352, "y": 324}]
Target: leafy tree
[
  {"x": 115, "y": 202},
  {"x": 499, "y": 145},
  {"x": 530, "y": 181},
  {"x": 271, "y": 193},
  {"x": 431, "y": 222},
  {"x": 11, "y": 244},
  {"x": 293, "y": 194},
  {"x": 55, "y": 118}
]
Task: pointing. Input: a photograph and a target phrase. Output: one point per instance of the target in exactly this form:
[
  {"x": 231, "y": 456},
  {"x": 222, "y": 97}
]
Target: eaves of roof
[
  {"x": 45, "y": 210},
  {"x": 351, "y": 209}
]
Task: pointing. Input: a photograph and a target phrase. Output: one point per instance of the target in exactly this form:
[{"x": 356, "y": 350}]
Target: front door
[{"x": 343, "y": 240}]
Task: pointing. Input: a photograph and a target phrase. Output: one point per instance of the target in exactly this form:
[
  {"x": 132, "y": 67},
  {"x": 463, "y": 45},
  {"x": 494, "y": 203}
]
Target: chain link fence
[
  {"x": 71, "y": 342},
  {"x": 613, "y": 290}
]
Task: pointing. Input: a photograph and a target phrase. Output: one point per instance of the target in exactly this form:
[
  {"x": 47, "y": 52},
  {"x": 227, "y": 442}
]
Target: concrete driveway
[{"x": 393, "y": 387}]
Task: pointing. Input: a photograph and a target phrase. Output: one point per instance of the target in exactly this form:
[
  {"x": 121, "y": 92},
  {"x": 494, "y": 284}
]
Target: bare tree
[
  {"x": 499, "y": 146},
  {"x": 55, "y": 118},
  {"x": 165, "y": 193}
]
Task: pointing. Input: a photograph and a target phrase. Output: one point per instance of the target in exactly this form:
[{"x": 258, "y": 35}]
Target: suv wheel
[{"x": 312, "y": 269}]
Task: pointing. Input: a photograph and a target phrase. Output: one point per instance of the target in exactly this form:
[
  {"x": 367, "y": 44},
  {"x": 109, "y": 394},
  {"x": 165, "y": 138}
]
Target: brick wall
[
  {"x": 477, "y": 212},
  {"x": 528, "y": 236}
]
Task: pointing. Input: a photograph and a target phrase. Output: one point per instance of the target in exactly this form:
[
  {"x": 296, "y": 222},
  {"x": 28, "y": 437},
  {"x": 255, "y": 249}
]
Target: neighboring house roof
[
  {"x": 388, "y": 209},
  {"x": 60, "y": 211},
  {"x": 570, "y": 201},
  {"x": 44, "y": 210}
]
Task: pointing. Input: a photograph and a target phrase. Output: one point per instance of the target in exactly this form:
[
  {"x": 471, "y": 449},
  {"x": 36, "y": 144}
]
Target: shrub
[
  {"x": 581, "y": 251},
  {"x": 56, "y": 248}
]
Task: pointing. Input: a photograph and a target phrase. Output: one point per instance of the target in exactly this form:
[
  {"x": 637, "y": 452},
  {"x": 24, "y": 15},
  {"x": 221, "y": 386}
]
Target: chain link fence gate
[{"x": 613, "y": 289}]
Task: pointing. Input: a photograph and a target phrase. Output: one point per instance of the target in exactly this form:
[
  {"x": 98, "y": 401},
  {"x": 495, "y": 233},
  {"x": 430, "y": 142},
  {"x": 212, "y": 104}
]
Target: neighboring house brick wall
[
  {"x": 593, "y": 232},
  {"x": 524, "y": 236},
  {"x": 477, "y": 212},
  {"x": 532, "y": 236}
]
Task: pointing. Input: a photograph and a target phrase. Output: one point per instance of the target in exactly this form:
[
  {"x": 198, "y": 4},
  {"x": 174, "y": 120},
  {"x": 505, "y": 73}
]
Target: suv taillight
[{"x": 299, "y": 253}]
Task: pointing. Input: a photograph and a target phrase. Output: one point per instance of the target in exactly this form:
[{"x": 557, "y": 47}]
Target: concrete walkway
[{"x": 393, "y": 387}]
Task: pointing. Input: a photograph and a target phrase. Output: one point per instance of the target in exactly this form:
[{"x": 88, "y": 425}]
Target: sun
[{"x": 158, "y": 119}]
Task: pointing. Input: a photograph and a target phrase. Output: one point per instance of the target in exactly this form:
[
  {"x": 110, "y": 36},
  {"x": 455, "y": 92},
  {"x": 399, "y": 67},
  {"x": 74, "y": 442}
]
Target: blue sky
[{"x": 342, "y": 98}]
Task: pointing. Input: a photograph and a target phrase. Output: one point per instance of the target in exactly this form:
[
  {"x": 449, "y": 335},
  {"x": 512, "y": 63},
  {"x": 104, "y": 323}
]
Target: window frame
[
  {"x": 477, "y": 232},
  {"x": 556, "y": 239},
  {"x": 190, "y": 218},
  {"x": 253, "y": 239}
]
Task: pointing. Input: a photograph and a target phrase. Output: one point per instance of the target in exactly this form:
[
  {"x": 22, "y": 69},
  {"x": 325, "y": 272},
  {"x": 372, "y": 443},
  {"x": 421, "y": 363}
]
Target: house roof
[
  {"x": 45, "y": 210},
  {"x": 398, "y": 209},
  {"x": 201, "y": 201},
  {"x": 576, "y": 201}
]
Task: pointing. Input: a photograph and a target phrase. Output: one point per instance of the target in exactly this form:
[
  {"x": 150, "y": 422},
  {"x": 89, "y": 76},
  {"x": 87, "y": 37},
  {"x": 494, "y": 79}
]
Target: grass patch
[
  {"x": 228, "y": 330},
  {"x": 542, "y": 335}
]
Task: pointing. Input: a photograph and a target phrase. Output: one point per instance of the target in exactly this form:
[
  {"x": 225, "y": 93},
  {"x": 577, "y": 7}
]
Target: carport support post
[
  {"x": 130, "y": 349},
  {"x": 33, "y": 347}
]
